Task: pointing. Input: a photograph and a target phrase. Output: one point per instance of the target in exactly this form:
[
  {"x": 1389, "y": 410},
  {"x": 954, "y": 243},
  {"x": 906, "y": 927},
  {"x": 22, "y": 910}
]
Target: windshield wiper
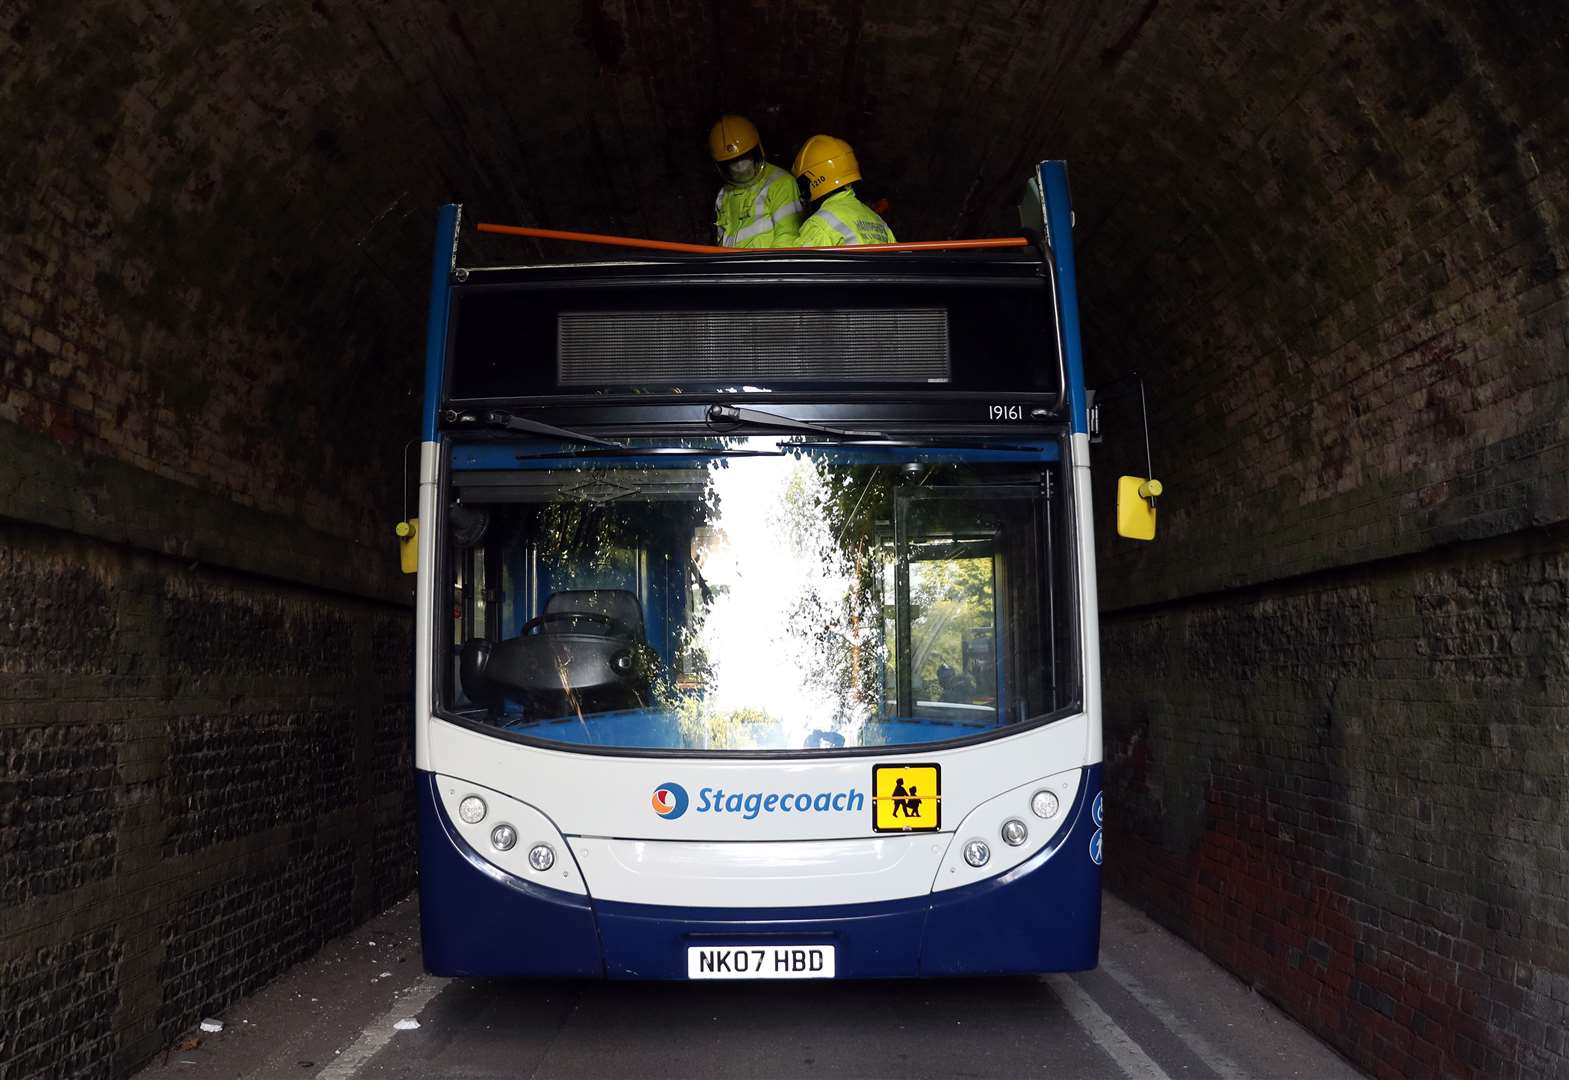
[
  {"x": 618, "y": 450},
  {"x": 499, "y": 419},
  {"x": 874, "y": 442},
  {"x": 932, "y": 442},
  {"x": 740, "y": 415}
]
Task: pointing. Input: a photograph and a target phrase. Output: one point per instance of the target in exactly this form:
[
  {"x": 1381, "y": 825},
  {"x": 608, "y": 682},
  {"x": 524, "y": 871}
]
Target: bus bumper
[{"x": 1043, "y": 915}]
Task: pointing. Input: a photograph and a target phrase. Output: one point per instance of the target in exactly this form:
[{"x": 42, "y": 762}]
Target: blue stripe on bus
[
  {"x": 436, "y": 320},
  {"x": 504, "y": 456},
  {"x": 1059, "y": 223},
  {"x": 1041, "y": 916}
]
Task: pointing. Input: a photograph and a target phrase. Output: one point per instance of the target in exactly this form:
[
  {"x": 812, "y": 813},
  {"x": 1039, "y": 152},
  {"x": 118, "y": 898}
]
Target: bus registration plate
[{"x": 760, "y": 962}]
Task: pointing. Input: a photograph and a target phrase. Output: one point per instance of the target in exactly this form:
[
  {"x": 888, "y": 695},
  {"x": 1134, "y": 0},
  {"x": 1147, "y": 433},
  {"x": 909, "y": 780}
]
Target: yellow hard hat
[
  {"x": 731, "y": 137},
  {"x": 826, "y": 163}
]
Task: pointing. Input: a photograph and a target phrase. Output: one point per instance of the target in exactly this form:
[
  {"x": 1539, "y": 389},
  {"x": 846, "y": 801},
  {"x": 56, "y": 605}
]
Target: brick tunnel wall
[
  {"x": 1350, "y": 790},
  {"x": 1337, "y": 686},
  {"x": 205, "y": 646},
  {"x": 203, "y": 775}
]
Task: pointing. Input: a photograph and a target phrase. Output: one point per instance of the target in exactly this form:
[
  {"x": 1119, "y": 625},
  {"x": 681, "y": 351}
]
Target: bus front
[{"x": 756, "y": 621}]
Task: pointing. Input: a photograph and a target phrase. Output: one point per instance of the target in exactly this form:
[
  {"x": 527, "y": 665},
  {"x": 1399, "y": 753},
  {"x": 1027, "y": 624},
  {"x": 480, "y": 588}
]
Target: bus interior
[{"x": 761, "y": 593}]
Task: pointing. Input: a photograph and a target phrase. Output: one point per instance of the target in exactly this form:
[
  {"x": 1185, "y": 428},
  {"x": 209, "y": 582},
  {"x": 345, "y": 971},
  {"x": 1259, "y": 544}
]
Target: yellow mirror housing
[
  {"x": 408, "y": 544},
  {"x": 1136, "y": 507}
]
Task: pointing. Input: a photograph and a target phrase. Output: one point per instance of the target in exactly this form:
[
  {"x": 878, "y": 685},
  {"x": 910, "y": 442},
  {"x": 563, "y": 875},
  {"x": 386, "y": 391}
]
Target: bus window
[
  {"x": 953, "y": 671},
  {"x": 763, "y": 594},
  {"x": 971, "y": 586}
]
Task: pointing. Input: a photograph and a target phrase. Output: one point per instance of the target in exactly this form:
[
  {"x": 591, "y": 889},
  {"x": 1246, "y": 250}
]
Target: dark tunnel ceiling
[{"x": 1241, "y": 171}]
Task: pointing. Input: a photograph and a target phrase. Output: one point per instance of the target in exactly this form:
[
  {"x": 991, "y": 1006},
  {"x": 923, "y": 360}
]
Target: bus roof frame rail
[{"x": 606, "y": 240}]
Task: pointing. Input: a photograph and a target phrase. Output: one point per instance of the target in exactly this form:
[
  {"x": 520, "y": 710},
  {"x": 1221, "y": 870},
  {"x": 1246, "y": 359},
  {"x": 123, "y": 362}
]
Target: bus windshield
[{"x": 758, "y": 593}]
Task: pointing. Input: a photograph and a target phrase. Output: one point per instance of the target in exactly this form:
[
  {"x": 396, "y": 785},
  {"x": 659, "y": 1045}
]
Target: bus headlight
[
  {"x": 472, "y": 810},
  {"x": 977, "y": 854},
  {"x": 503, "y": 836},
  {"x": 1014, "y": 833},
  {"x": 541, "y": 857},
  {"x": 1044, "y": 804}
]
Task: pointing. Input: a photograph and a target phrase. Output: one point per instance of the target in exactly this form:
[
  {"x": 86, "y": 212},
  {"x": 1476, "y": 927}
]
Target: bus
[{"x": 756, "y": 614}]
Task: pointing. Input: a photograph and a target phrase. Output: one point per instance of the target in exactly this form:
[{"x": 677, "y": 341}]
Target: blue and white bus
[{"x": 756, "y": 615}]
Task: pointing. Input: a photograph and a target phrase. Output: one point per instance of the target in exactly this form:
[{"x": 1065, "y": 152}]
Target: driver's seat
[{"x": 616, "y": 604}]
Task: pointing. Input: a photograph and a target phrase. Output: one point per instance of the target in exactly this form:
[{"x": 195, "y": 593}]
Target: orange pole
[{"x": 710, "y": 249}]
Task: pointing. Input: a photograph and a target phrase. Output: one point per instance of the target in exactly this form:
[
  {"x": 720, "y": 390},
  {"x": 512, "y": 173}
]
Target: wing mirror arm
[
  {"x": 407, "y": 528},
  {"x": 1136, "y": 495}
]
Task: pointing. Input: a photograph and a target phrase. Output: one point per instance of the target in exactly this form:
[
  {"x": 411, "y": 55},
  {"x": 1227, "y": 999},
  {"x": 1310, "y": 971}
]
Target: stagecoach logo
[{"x": 670, "y": 801}]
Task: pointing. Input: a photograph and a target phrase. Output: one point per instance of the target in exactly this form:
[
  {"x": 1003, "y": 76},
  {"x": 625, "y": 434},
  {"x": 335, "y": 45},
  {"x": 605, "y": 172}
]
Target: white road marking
[
  {"x": 1223, "y": 1066},
  {"x": 373, "y": 1038},
  {"x": 1118, "y": 1045}
]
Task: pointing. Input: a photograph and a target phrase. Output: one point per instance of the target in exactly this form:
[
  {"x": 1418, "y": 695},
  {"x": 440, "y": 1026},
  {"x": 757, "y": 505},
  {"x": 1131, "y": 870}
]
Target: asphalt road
[{"x": 1154, "y": 1010}]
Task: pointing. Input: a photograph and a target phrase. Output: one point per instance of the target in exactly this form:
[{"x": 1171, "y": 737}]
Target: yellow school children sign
[{"x": 906, "y": 798}]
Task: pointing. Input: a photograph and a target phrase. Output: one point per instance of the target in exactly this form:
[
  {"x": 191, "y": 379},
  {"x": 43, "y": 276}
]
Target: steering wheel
[{"x": 608, "y": 627}]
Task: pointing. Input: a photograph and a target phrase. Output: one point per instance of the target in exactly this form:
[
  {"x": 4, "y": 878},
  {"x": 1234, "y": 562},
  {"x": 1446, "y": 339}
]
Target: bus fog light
[
  {"x": 1044, "y": 803},
  {"x": 472, "y": 810},
  {"x": 541, "y": 857},
  {"x": 977, "y": 854},
  {"x": 1014, "y": 833},
  {"x": 504, "y": 837}
]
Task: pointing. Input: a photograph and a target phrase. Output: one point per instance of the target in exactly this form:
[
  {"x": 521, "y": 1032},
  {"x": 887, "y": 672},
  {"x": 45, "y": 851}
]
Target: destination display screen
[{"x": 666, "y": 333}]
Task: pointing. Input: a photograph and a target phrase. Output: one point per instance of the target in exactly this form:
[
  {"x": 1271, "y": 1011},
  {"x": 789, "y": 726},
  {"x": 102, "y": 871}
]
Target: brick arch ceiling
[{"x": 216, "y": 218}]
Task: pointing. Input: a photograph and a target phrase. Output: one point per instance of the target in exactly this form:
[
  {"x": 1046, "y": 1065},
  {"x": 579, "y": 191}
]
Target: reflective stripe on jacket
[
  {"x": 764, "y": 213},
  {"x": 844, "y": 219}
]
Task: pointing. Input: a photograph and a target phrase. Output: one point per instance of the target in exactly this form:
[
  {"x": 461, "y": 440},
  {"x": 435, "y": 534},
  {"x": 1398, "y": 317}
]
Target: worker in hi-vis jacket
[
  {"x": 827, "y": 167},
  {"x": 759, "y": 205}
]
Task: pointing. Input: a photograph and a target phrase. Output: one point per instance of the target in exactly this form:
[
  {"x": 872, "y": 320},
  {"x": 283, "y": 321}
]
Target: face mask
[{"x": 740, "y": 171}]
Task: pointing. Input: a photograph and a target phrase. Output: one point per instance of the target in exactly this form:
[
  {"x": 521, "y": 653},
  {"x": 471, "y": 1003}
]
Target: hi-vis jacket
[
  {"x": 764, "y": 213},
  {"x": 844, "y": 219}
]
